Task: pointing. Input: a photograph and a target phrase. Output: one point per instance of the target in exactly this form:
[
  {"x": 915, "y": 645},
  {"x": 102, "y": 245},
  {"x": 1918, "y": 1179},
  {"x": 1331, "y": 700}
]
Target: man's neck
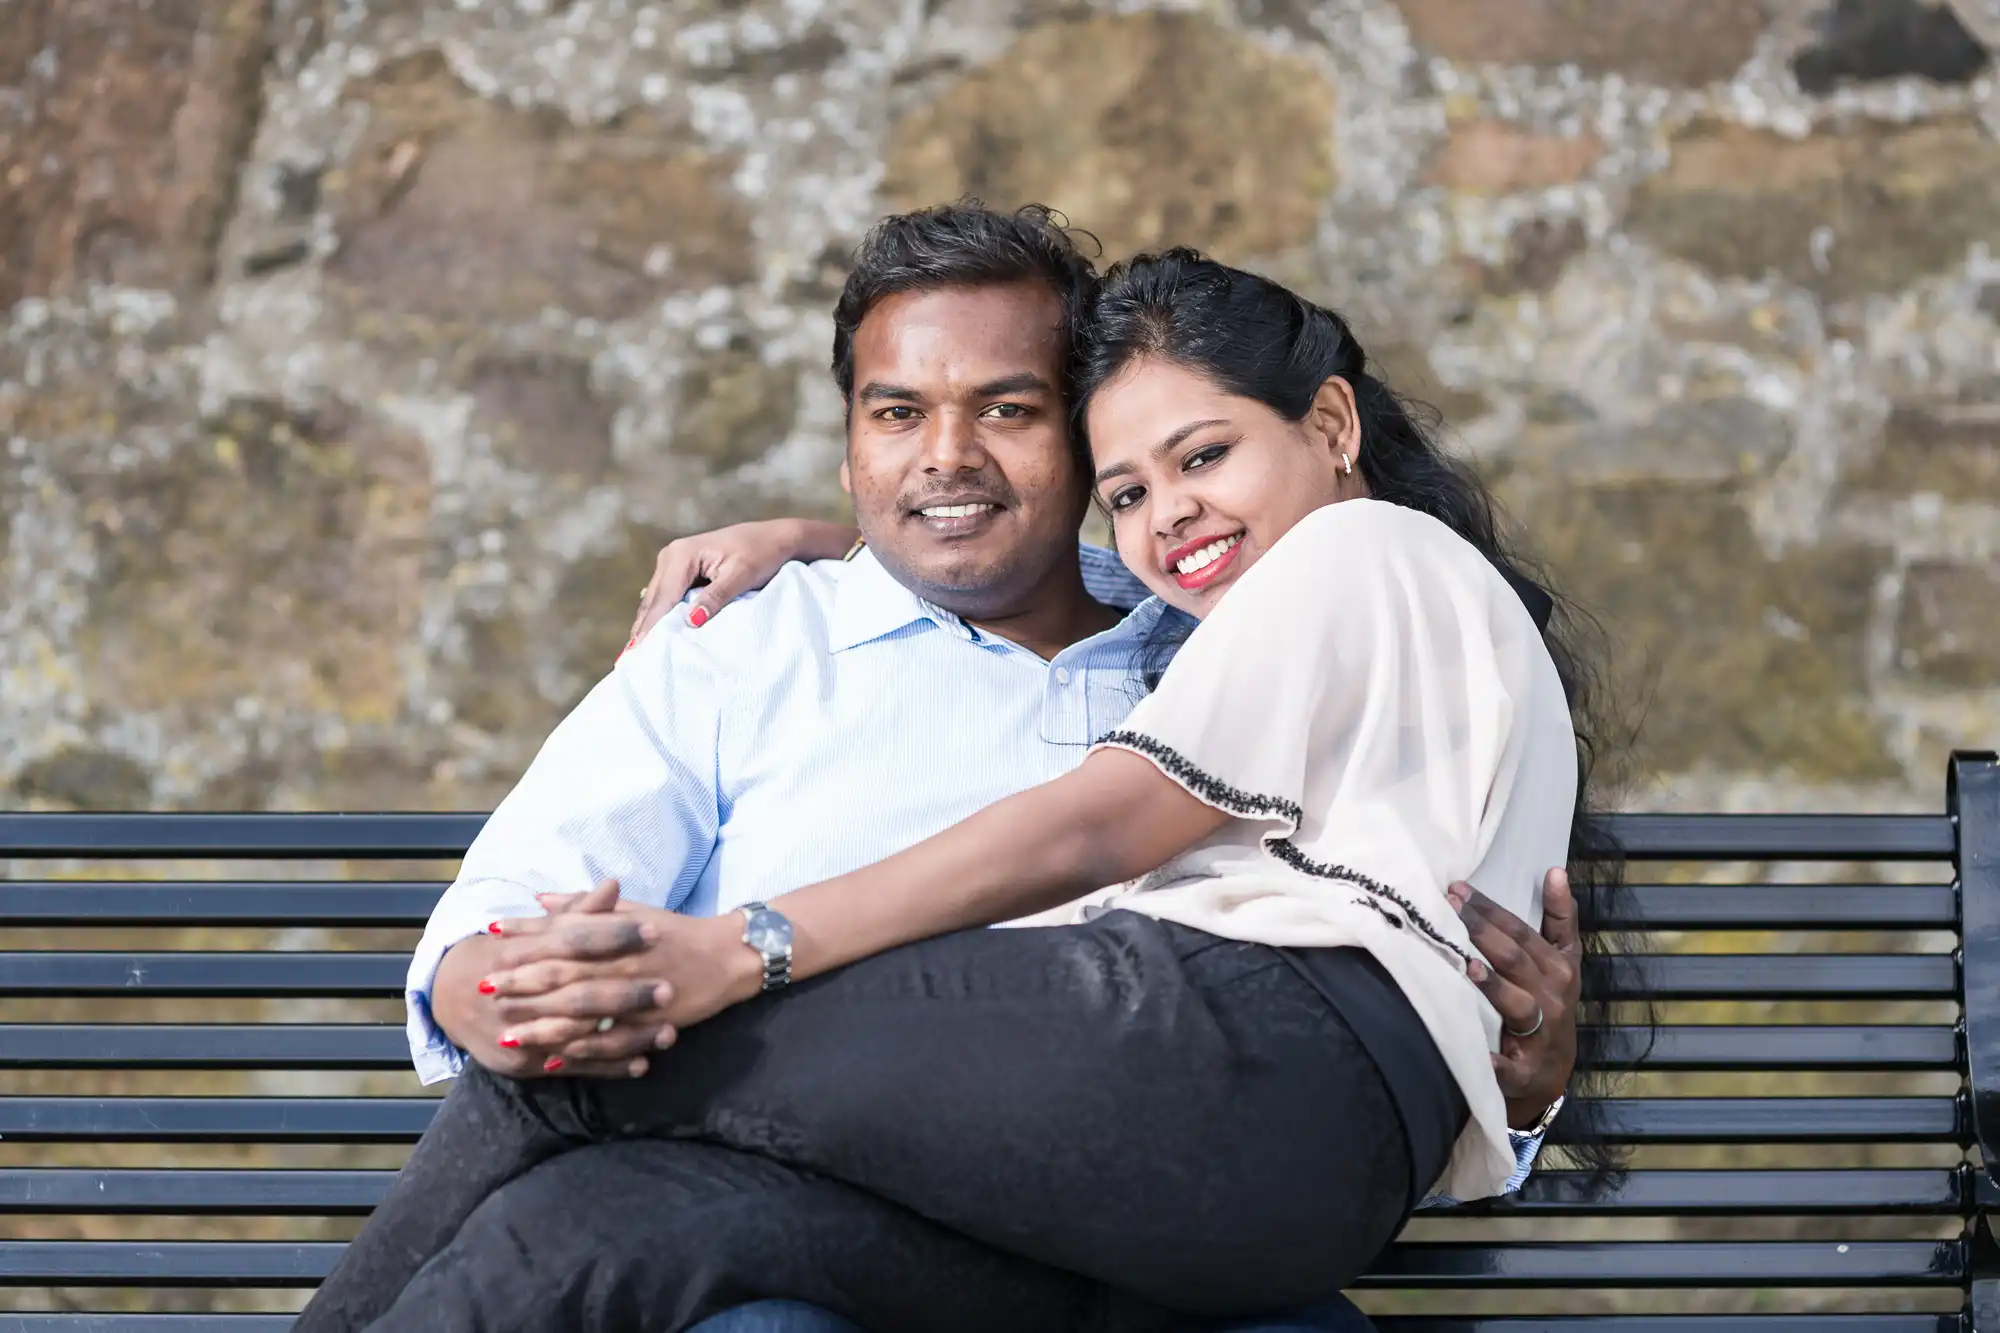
[{"x": 1057, "y": 613}]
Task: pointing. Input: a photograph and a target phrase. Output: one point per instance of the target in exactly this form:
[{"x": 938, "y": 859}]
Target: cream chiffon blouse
[{"x": 1375, "y": 705}]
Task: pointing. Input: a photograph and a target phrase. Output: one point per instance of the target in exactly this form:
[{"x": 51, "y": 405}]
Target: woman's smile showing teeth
[{"x": 1202, "y": 561}]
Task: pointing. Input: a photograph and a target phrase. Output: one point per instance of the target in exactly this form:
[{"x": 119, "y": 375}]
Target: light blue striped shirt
[{"x": 819, "y": 726}]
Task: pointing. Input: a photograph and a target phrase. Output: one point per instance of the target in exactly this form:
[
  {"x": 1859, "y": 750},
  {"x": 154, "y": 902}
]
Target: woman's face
[{"x": 1200, "y": 483}]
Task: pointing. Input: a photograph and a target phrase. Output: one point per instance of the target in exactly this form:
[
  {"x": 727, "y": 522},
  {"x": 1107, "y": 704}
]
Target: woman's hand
[
  {"x": 733, "y": 561},
  {"x": 1536, "y": 982}
]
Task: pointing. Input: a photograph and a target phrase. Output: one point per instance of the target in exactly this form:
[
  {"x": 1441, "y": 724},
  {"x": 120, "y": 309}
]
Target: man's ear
[
  {"x": 846, "y": 478},
  {"x": 1335, "y": 418}
]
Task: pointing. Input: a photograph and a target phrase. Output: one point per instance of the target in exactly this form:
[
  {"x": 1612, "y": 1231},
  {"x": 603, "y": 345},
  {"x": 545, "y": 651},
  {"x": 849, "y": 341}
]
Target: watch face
[{"x": 768, "y": 932}]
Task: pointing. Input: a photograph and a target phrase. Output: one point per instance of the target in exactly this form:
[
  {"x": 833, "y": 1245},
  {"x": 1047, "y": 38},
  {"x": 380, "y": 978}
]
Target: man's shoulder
[
  {"x": 788, "y": 615},
  {"x": 799, "y": 597}
]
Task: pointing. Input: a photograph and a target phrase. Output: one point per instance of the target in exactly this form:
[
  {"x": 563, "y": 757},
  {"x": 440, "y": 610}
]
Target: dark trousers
[{"x": 1115, "y": 1125}]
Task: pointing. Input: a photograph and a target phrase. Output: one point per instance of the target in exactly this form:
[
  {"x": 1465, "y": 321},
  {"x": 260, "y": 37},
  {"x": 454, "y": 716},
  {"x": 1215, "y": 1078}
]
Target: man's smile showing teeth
[
  {"x": 956, "y": 511},
  {"x": 1206, "y": 556}
]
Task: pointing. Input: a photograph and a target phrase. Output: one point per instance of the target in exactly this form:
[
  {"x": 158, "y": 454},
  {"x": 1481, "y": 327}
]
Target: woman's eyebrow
[{"x": 1160, "y": 450}]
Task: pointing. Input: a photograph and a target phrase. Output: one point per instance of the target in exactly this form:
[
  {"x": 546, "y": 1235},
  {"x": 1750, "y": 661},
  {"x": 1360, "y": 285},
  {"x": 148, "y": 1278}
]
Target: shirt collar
[
  {"x": 1106, "y": 578},
  {"x": 870, "y": 603}
]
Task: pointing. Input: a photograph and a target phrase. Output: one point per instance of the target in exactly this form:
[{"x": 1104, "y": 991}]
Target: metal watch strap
[
  {"x": 1541, "y": 1126},
  {"x": 777, "y": 967}
]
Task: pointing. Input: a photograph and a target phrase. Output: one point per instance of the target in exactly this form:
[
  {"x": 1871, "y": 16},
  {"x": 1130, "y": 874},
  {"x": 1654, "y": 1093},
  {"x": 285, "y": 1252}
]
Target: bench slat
[
  {"x": 315, "y": 837},
  {"x": 173, "y": 1263},
  {"x": 1803, "y": 976},
  {"x": 207, "y": 1046},
  {"x": 1912, "y": 1192},
  {"x": 171, "y": 1323},
  {"x": 1891, "y": 1321},
  {"x": 399, "y": 1119},
  {"x": 1521, "y": 1264},
  {"x": 207, "y": 975},
  {"x": 1774, "y": 1048},
  {"x": 383, "y": 1046},
  {"x": 446, "y": 836},
  {"x": 188, "y": 1191},
  {"x": 1671, "y": 1264},
  {"x": 1784, "y": 1120},
  {"x": 1906, "y": 1192},
  {"x": 219, "y": 903},
  {"x": 248, "y": 974},
  {"x": 1783, "y": 907},
  {"x": 409, "y": 903}
]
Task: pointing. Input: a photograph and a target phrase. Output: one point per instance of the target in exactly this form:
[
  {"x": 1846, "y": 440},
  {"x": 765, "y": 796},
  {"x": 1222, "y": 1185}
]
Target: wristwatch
[
  {"x": 770, "y": 934},
  {"x": 1540, "y": 1127}
]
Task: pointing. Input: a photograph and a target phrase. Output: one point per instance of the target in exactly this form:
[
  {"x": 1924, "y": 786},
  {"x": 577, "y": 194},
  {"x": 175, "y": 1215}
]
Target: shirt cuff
[
  {"x": 432, "y": 1052},
  {"x": 1527, "y": 1146}
]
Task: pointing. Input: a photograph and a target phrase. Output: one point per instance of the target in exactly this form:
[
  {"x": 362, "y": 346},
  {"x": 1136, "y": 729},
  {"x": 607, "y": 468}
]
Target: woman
[{"x": 1224, "y": 1086}]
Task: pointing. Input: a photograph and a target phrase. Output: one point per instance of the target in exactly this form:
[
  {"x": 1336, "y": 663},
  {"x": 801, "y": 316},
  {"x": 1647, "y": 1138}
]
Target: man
[{"x": 852, "y": 709}]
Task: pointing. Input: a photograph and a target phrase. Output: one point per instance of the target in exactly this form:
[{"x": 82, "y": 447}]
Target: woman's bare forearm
[
  {"x": 822, "y": 539},
  {"x": 1114, "y": 818}
]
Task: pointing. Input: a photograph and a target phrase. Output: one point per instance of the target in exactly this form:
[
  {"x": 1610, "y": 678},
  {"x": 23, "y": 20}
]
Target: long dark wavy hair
[{"x": 1258, "y": 340}]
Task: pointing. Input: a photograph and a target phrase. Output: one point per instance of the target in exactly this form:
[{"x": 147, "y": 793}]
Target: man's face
[{"x": 958, "y": 454}]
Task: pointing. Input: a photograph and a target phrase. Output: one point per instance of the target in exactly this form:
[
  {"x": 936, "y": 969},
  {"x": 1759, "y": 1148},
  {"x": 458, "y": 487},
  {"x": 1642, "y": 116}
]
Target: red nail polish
[
  {"x": 510, "y": 1042},
  {"x": 488, "y": 988},
  {"x": 698, "y": 617},
  {"x": 493, "y": 928},
  {"x": 552, "y": 1064}
]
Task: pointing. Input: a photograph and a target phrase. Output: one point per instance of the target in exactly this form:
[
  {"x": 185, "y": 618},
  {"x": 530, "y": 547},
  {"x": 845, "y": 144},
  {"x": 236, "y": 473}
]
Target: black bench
[{"x": 1814, "y": 1188}]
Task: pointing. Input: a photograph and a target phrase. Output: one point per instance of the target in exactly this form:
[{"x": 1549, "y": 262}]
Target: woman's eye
[
  {"x": 1203, "y": 457},
  {"x": 1124, "y": 499}
]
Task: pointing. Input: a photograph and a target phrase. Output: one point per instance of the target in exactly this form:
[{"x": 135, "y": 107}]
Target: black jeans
[{"x": 1113, "y": 1125}]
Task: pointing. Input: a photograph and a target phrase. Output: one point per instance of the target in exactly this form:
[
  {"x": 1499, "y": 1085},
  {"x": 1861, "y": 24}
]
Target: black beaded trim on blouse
[
  {"x": 1219, "y": 794},
  {"x": 1249, "y": 805},
  {"x": 1287, "y": 851}
]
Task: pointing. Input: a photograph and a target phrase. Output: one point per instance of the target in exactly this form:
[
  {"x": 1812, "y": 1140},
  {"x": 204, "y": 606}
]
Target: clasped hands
[{"x": 596, "y": 986}]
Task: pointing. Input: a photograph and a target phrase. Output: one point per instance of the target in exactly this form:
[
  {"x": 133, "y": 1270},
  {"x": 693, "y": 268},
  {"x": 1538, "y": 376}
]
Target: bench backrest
[{"x": 1816, "y": 1122}]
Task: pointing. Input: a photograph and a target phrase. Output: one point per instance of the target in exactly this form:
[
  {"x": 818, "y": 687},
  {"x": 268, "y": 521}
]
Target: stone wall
[{"x": 355, "y": 355}]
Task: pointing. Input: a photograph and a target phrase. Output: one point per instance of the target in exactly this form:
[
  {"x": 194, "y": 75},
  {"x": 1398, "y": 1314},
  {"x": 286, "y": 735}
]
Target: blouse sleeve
[{"x": 1358, "y": 691}]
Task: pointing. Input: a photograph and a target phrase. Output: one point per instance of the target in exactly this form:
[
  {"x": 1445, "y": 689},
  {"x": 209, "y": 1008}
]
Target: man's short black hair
[{"x": 965, "y": 244}]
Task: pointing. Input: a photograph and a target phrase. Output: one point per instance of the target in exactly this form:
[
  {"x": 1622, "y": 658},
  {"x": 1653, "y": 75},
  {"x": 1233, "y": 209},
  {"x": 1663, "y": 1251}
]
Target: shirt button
[{"x": 1062, "y": 675}]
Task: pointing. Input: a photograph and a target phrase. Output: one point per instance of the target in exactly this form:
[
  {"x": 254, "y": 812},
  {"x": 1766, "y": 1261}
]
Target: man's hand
[
  {"x": 1535, "y": 983},
  {"x": 591, "y": 957}
]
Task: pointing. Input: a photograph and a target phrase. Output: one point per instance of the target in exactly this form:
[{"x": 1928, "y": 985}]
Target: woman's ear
[{"x": 1334, "y": 418}]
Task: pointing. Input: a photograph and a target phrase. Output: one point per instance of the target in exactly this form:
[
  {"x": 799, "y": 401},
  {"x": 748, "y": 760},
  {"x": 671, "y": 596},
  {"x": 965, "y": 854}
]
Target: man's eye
[
  {"x": 1007, "y": 411},
  {"x": 1203, "y": 457},
  {"x": 1122, "y": 500},
  {"x": 896, "y": 414}
]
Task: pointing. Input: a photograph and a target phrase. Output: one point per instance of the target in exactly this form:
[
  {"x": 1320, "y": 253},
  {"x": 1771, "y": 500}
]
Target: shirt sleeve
[
  {"x": 1527, "y": 1147},
  {"x": 625, "y": 788}
]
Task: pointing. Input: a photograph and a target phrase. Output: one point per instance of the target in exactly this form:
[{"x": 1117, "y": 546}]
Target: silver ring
[
  {"x": 606, "y": 1023},
  {"x": 1539, "y": 1017}
]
